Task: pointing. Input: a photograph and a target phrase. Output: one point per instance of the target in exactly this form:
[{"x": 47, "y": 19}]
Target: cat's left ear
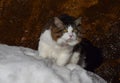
[
  {"x": 78, "y": 21},
  {"x": 58, "y": 22}
]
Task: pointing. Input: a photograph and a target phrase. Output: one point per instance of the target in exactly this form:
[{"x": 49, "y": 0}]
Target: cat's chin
[
  {"x": 72, "y": 43},
  {"x": 64, "y": 43}
]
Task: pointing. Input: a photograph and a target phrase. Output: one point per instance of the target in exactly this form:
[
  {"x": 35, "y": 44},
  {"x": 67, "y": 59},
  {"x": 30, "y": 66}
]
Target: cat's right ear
[
  {"x": 58, "y": 22},
  {"x": 78, "y": 21}
]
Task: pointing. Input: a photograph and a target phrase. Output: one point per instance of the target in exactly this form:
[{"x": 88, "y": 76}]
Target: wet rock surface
[
  {"x": 21, "y": 22},
  {"x": 102, "y": 22}
]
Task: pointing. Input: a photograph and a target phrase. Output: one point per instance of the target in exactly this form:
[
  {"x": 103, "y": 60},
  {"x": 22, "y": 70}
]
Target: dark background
[{"x": 21, "y": 22}]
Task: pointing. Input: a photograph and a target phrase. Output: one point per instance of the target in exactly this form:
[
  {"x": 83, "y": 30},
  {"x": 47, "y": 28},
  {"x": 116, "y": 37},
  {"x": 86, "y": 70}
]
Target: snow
[{"x": 23, "y": 65}]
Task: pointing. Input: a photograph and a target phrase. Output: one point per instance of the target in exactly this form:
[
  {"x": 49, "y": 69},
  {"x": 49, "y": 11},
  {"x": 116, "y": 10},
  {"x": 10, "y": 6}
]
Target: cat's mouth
[
  {"x": 71, "y": 42},
  {"x": 70, "y": 39},
  {"x": 67, "y": 42}
]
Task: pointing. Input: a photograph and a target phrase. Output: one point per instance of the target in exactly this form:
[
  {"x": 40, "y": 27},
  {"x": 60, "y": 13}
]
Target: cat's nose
[{"x": 71, "y": 36}]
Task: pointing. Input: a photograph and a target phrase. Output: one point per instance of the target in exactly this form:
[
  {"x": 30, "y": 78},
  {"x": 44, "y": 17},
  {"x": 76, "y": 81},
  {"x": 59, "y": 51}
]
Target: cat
[
  {"x": 58, "y": 39},
  {"x": 62, "y": 41}
]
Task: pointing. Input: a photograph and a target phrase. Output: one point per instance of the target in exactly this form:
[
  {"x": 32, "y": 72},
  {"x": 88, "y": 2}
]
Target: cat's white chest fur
[{"x": 48, "y": 48}]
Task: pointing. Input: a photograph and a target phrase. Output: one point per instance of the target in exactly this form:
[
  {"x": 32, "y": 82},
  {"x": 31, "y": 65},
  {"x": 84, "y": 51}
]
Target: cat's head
[{"x": 68, "y": 33}]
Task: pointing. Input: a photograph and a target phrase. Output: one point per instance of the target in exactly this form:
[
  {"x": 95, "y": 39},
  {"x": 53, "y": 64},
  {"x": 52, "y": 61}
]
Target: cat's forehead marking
[{"x": 70, "y": 28}]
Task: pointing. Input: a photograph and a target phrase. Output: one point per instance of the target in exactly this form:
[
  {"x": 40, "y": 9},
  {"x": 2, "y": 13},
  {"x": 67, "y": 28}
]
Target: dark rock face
[
  {"x": 102, "y": 22},
  {"x": 21, "y": 22}
]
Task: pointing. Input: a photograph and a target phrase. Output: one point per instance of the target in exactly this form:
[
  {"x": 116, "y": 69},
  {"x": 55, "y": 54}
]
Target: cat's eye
[
  {"x": 65, "y": 30},
  {"x": 74, "y": 30}
]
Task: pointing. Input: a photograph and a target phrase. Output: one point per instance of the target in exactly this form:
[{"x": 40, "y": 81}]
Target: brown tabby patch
[{"x": 56, "y": 32}]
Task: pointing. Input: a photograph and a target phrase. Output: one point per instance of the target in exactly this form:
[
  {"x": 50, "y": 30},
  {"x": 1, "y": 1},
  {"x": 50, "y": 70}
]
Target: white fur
[
  {"x": 60, "y": 51},
  {"x": 66, "y": 37},
  {"x": 75, "y": 58}
]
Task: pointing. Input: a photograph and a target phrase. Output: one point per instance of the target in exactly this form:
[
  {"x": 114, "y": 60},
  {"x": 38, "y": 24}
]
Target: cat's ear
[
  {"x": 58, "y": 22},
  {"x": 78, "y": 21}
]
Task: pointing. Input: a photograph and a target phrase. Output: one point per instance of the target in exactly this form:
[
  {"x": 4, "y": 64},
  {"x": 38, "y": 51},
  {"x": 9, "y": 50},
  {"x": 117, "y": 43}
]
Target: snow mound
[{"x": 22, "y": 65}]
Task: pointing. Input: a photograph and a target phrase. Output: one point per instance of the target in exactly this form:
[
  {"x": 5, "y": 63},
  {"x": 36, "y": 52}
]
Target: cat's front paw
[
  {"x": 74, "y": 67},
  {"x": 71, "y": 66},
  {"x": 75, "y": 58}
]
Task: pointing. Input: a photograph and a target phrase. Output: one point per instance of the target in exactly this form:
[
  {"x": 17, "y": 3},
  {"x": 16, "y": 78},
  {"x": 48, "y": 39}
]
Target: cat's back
[{"x": 45, "y": 36}]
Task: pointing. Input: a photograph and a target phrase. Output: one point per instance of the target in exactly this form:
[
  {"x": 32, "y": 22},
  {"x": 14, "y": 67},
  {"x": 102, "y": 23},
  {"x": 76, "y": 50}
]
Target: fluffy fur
[
  {"x": 58, "y": 40},
  {"x": 62, "y": 41}
]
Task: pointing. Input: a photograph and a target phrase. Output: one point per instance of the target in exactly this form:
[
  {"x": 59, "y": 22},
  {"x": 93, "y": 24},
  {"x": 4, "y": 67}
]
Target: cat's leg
[
  {"x": 42, "y": 50},
  {"x": 75, "y": 58},
  {"x": 63, "y": 59},
  {"x": 79, "y": 59}
]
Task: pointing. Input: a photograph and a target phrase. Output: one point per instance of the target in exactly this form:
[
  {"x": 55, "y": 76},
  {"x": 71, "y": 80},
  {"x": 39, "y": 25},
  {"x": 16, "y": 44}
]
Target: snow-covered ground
[{"x": 22, "y": 65}]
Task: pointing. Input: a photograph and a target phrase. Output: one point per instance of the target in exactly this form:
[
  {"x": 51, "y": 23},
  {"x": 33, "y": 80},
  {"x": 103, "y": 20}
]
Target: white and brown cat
[
  {"x": 62, "y": 41},
  {"x": 58, "y": 39}
]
